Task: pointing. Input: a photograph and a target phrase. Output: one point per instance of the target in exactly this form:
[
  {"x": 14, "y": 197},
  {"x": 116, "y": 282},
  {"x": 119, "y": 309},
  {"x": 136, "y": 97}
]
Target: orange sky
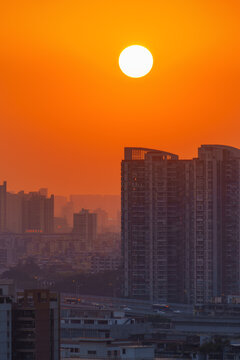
[{"x": 67, "y": 110}]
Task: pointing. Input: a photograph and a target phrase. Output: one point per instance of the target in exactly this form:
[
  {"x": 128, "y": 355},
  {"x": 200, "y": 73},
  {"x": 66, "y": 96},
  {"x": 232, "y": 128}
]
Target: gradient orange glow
[{"x": 66, "y": 108}]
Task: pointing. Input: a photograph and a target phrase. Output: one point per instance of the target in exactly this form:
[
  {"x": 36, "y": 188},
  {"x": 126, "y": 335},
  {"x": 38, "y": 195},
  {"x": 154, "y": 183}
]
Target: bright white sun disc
[{"x": 135, "y": 61}]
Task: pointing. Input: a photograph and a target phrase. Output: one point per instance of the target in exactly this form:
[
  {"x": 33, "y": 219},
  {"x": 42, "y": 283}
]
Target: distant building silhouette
[
  {"x": 181, "y": 224},
  {"x": 102, "y": 220},
  {"x": 85, "y": 224},
  {"x": 3, "y": 206},
  {"x": 109, "y": 203},
  {"x": 32, "y": 212},
  {"x": 59, "y": 203},
  {"x": 38, "y": 213},
  {"x": 67, "y": 213},
  {"x": 43, "y": 192},
  {"x": 14, "y": 213},
  {"x": 61, "y": 225}
]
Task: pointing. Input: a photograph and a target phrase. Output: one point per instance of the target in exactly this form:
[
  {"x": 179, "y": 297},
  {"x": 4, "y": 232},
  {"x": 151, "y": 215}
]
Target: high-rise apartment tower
[{"x": 181, "y": 224}]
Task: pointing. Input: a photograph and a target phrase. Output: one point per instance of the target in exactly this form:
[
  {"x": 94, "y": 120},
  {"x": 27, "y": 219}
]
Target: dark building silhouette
[
  {"x": 36, "y": 326},
  {"x": 30, "y": 324},
  {"x": 181, "y": 224},
  {"x": 3, "y": 208}
]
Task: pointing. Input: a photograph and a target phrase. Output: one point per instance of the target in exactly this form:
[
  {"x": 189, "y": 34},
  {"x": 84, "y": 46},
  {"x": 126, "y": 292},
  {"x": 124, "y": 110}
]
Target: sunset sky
[{"x": 67, "y": 110}]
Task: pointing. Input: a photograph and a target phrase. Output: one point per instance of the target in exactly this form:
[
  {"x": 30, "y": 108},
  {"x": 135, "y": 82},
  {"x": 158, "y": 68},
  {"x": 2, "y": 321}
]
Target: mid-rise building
[
  {"x": 36, "y": 325},
  {"x": 38, "y": 213},
  {"x": 7, "y": 292},
  {"x": 32, "y": 212},
  {"x": 29, "y": 324},
  {"x": 85, "y": 224},
  {"x": 103, "y": 334},
  {"x": 14, "y": 213},
  {"x": 181, "y": 224}
]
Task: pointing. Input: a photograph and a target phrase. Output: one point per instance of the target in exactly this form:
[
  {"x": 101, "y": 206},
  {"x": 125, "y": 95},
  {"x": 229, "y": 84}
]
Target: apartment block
[{"x": 180, "y": 224}]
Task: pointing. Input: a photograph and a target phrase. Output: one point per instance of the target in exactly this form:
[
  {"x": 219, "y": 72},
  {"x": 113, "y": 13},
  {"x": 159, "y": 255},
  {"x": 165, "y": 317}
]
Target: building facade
[
  {"x": 180, "y": 224},
  {"x": 29, "y": 324},
  {"x": 103, "y": 334},
  {"x": 36, "y": 326},
  {"x": 7, "y": 291}
]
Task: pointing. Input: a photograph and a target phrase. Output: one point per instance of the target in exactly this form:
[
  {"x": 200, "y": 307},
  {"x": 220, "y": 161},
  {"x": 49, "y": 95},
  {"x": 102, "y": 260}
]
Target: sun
[{"x": 135, "y": 61}]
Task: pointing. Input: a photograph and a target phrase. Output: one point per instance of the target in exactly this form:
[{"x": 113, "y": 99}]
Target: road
[{"x": 130, "y": 306}]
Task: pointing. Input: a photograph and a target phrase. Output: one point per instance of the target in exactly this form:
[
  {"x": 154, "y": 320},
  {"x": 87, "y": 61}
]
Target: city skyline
[
  {"x": 119, "y": 180},
  {"x": 67, "y": 110}
]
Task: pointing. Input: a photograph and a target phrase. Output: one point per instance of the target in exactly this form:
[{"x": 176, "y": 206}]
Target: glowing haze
[{"x": 66, "y": 109}]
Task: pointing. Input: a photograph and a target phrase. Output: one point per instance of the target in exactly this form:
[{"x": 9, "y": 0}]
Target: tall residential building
[
  {"x": 181, "y": 224},
  {"x": 85, "y": 224},
  {"x": 218, "y": 203},
  {"x": 3, "y": 194}
]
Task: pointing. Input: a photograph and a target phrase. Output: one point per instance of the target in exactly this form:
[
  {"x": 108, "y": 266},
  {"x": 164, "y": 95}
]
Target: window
[
  {"x": 92, "y": 352},
  {"x": 102, "y": 322},
  {"x": 124, "y": 351}
]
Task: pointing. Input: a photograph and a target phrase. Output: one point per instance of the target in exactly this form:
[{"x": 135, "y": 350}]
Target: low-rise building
[{"x": 102, "y": 334}]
